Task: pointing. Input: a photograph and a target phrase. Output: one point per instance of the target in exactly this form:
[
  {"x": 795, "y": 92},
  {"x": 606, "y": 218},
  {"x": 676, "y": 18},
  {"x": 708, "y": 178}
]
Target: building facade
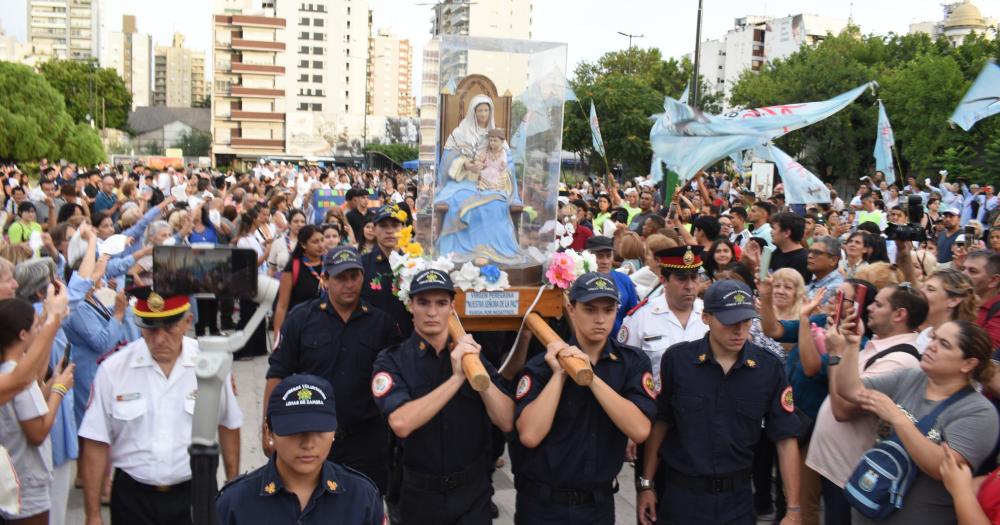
[
  {"x": 960, "y": 20},
  {"x": 68, "y": 29},
  {"x": 391, "y": 79},
  {"x": 130, "y": 53},
  {"x": 248, "y": 92},
  {"x": 179, "y": 76}
]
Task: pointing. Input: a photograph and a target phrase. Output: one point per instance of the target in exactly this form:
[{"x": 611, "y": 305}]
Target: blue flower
[{"x": 490, "y": 273}]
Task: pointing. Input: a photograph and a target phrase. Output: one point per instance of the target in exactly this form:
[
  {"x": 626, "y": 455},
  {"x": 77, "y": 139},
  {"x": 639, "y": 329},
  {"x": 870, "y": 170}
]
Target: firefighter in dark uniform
[
  {"x": 715, "y": 393},
  {"x": 442, "y": 423},
  {"x": 573, "y": 437},
  {"x": 377, "y": 289},
  {"x": 337, "y": 337},
  {"x": 298, "y": 484}
]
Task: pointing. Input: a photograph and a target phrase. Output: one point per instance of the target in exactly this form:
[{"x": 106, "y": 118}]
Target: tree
[
  {"x": 90, "y": 91},
  {"x": 399, "y": 153},
  {"x": 34, "y": 122},
  {"x": 194, "y": 143}
]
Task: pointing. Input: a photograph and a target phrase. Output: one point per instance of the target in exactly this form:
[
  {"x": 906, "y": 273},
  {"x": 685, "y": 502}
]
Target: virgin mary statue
[{"x": 477, "y": 223}]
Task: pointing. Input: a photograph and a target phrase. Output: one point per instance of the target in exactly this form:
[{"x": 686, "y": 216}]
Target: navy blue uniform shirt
[
  {"x": 377, "y": 289},
  {"x": 714, "y": 419},
  {"x": 460, "y": 434},
  {"x": 584, "y": 448},
  {"x": 342, "y": 496},
  {"x": 316, "y": 340}
]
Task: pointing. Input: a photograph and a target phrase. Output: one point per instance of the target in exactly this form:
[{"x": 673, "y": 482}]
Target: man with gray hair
[{"x": 822, "y": 260}]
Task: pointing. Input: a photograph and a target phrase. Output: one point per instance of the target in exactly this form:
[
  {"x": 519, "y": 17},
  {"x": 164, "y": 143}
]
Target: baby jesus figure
[{"x": 492, "y": 164}]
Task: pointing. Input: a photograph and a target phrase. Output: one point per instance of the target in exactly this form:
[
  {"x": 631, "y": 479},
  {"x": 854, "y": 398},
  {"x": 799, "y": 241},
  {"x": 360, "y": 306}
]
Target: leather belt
[{"x": 710, "y": 484}]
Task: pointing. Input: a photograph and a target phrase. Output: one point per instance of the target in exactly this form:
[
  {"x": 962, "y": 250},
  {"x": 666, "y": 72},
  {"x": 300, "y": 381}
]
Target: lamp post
[
  {"x": 695, "y": 83},
  {"x": 630, "y": 37}
]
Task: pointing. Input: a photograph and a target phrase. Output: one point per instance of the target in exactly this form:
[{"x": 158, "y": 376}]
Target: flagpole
[
  {"x": 899, "y": 165},
  {"x": 606, "y": 167}
]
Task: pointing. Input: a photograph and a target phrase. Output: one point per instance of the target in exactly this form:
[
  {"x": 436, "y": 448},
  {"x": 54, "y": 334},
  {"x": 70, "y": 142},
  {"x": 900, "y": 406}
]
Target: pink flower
[{"x": 561, "y": 270}]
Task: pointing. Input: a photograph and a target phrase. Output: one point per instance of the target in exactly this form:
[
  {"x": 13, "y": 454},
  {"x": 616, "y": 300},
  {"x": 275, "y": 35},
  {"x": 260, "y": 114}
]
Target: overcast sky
[{"x": 590, "y": 27}]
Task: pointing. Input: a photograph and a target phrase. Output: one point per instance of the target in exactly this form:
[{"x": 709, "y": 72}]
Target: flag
[
  {"x": 595, "y": 130},
  {"x": 884, "y": 142},
  {"x": 450, "y": 87},
  {"x": 687, "y": 140},
  {"x": 982, "y": 100},
  {"x": 570, "y": 95},
  {"x": 737, "y": 158},
  {"x": 801, "y": 186},
  {"x": 684, "y": 94},
  {"x": 655, "y": 170}
]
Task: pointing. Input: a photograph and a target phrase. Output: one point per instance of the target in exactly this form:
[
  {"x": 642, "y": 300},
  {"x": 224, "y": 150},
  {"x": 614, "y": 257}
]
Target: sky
[{"x": 589, "y": 27}]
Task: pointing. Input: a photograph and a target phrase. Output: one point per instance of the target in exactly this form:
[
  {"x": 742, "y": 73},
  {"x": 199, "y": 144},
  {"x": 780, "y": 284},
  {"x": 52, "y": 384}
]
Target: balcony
[
  {"x": 250, "y": 21},
  {"x": 238, "y": 142},
  {"x": 241, "y": 67},
  {"x": 257, "y": 116},
  {"x": 256, "y": 45},
  {"x": 240, "y": 91}
]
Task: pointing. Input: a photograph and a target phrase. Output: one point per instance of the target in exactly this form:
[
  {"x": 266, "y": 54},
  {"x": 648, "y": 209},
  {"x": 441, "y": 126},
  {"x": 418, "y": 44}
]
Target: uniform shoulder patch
[
  {"x": 788, "y": 400},
  {"x": 523, "y": 387},
  {"x": 623, "y": 334},
  {"x": 649, "y": 384},
  {"x": 636, "y": 308},
  {"x": 381, "y": 384}
]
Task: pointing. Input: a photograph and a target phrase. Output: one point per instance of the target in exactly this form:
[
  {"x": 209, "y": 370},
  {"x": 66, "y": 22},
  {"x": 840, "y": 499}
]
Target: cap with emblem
[
  {"x": 340, "y": 259},
  {"x": 680, "y": 259},
  {"x": 591, "y": 286},
  {"x": 302, "y": 403},
  {"x": 153, "y": 310},
  {"x": 388, "y": 212},
  {"x": 600, "y": 243},
  {"x": 428, "y": 280},
  {"x": 730, "y": 302}
]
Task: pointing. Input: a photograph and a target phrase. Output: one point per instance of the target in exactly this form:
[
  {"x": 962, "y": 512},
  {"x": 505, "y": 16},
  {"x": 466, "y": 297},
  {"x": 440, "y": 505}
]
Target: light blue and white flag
[
  {"x": 982, "y": 100},
  {"x": 685, "y": 94},
  {"x": 570, "y": 95},
  {"x": 801, "y": 186},
  {"x": 655, "y": 170},
  {"x": 687, "y": 139},
  {"x": 884, "y": 142},
  {"x": 595, "y": 130},
  {"x": 737, "y": 158}
]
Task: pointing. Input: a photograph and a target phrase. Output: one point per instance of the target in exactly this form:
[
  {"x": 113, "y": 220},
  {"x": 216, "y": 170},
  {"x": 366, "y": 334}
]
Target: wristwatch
[
  {"x": 644, "y": 484},
  {"x": 833, "y": 361}
]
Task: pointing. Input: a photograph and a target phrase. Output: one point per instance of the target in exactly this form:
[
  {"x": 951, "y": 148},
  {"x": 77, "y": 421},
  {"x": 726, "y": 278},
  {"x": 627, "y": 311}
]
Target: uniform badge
[
  {"x": 523, "y": 386},
  {"x": 701, "y": 358},
  {"x": 332, "y": 485},
  {"x": 787, "y": 401},
  {"x": 649, "y": 385},
  {"x": 868, "y": 481},
  {"x": 381, "y": 384},
  {"x": 751, "y": 363},
  {"x": 623, "y": 334},
  {"x": 270, "y": 488},
  {"x": 121, "y": 398},
  {"x": 155, "y": 302},
  {"x": 689, "y": 257}
]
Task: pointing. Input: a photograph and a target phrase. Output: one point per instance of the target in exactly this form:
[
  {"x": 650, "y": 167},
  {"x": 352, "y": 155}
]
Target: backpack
[
  {"x": 905, "y": 348},
  {"x": 879, "y": 483}
]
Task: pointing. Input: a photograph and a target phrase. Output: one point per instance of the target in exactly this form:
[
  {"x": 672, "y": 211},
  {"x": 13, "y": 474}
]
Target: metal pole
[
  {"x": 695, "y": 82},
  {"x": 628, "y": 60}
]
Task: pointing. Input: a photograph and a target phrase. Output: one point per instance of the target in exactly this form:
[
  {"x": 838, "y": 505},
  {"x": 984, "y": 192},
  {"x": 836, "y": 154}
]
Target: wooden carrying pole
[
  {"x": 474, "y": 370},
  {"x": 578, "y": 369}
]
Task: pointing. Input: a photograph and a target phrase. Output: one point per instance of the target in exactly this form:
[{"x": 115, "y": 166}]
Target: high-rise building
[
  {"x": 755, "y": 40},
  {"x": 482, "y": 18},
  {"x": 391, "y": 77},
  {"x": 69, "y": 28},
  {"x": 130, "y": 53},
  {"x": 248, "y": 94},
  {"x": 180, "y": 76},
  {"x": 13, "y": 50},
  {"x": 327, "y": 65},
  {"x": 960, "y": 19}
]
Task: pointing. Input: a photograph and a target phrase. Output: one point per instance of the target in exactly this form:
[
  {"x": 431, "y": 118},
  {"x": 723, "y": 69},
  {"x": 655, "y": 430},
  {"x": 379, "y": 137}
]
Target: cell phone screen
[
  {"x": 970, "y": 234},
  {"x": 839, "y": 307},
  {"x": 860, "y": 292},
  {"x": 186, "y": 270}
]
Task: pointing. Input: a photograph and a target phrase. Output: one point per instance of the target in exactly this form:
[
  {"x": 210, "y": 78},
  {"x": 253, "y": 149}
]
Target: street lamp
[{"x": 630, "y": 37}]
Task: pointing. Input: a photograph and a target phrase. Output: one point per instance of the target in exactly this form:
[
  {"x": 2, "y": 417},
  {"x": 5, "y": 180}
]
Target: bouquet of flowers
[
  {"x": 406, "y": 265},
  {"x": 564, "y": 267},
  {"x": 488, "y": 278}
]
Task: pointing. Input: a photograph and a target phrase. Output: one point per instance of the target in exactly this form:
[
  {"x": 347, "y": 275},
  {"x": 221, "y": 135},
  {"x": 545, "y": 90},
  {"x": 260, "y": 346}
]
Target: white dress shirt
[
  {"x": 146, "y": 416},
  {"x": 653, "y": 328}
]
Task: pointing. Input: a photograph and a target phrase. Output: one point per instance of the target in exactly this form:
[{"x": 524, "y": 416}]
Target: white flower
[
  {"x": 566, "y": 241},
  {"x": 465, "y": 278}
]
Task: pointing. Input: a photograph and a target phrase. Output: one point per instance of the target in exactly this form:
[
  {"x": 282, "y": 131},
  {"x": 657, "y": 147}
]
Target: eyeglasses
[{"x": 817, "y": 253}]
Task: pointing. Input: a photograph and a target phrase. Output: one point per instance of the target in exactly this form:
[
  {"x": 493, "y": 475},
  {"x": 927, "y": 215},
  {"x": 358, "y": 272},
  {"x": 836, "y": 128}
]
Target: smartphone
[
  {"x": 839, "y": 310},
  {"x": 67, "y": 350},
  {"x": 765, "y": 262},
  {"x": 970, "y": 235},
  {"x": 672, "y": 214},
  {"x": 219, "y": 271},
  {"x": 860, "y": 292}
]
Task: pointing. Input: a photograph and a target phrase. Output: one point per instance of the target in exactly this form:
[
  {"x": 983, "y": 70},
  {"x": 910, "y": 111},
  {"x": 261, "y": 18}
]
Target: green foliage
[
  {"x": 194, "y": 143},
  {"x": 34, "y": 122},
  {"x": 627, "y": 87},
  {"x": 399, "y": 153},
  {"x": 90, "y": 90},
  {"x": 921, "y": 82}
]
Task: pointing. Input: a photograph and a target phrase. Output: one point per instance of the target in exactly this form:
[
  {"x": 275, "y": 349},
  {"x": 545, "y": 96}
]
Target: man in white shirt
[{"x": 139, "y": 420}]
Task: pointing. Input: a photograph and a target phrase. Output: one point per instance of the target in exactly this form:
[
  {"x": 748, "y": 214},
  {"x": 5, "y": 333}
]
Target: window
[
  {"x": 303, "y": 78},
  {"x": 319, "y": 92},
  {"x": 347, "y": 94},
  {"x": 347, "y": 80},
  {"x": 347, "y": 66},
  {"x": 347, "y": 108},
  {"x": 304, "y": 50},
  {"x": 304, "y": 21},
  {"x": 317, "y": 78},
  {"x": 317, "y": 50},
  {"x": 317, "y": 64},
  {"x": 303, "y": 106},
  {"x": 318, "y": 36},
  {"x": 303, "y": 36},
  {"x": 303, "y": 63},
  {"x": 318, "y": 22}
]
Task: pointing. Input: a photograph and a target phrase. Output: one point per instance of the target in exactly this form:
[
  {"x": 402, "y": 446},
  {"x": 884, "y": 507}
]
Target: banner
[
  {"x": 982, "y": 100},
  {"x": 884, "y": 142},
  {"x": 595, "y": 130},
  {"x": 801, "y": 186},
  {"x": 324, "y": 200}
]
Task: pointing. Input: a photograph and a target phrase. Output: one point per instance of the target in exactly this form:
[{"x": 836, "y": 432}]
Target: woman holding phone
[{"x": 255, "y": 234}]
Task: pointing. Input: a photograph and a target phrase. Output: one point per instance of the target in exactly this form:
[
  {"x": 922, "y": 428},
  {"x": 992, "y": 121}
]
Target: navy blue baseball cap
[
  {"x": 428, "y": 280},
  {"x": 730, "y": 301},
  {"x": 341, "y": 259},
  {"x": 387, "y": 212},
  {"x": 302, "y": 403},
  {"x": 599, "y": 243},
  {"x": 591, "y": 286}
]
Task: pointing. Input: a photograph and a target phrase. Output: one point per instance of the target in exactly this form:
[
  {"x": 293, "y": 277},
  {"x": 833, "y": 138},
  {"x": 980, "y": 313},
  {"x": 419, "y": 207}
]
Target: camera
[
  {"x": 912, "y": 230},
  {"x": 217, "y": 271}
]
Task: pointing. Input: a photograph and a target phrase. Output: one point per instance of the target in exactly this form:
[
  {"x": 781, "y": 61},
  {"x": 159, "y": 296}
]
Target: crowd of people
[{"x": 747, "y": 352}]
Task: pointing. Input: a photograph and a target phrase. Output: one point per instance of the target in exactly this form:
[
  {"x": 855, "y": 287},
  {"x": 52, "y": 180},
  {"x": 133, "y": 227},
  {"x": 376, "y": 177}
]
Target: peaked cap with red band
[
  {"x": 680, "y": 258},
  {"x": 154, "y": 311}
]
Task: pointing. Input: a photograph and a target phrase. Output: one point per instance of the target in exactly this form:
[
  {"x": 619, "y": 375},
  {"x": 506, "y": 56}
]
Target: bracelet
[
  {"x": 794, "y": 509},
  {"x": 60, "y": 388}
]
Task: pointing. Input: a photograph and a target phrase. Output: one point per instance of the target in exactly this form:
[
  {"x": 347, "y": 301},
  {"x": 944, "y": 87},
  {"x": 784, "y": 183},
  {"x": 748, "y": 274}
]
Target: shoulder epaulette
[{"x": 638, "y": 306}]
